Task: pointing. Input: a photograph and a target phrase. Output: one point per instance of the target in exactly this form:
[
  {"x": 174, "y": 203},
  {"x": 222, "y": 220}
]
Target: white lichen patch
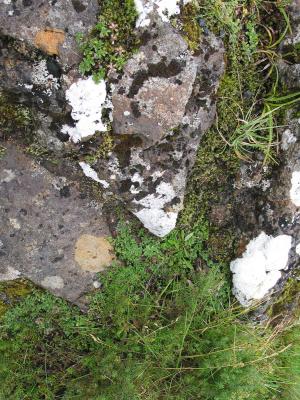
[
  {"x": 287, "y": 139},
  {"x": 92, "y": 174},
  {"x": 7, "y": 175},
  {"x": 295, "y": 188},
  {"x": 258, "y": 270},
  {"x": 298, "y": 249},
  {"x": 41, "y": 77},
  {"x": 53, "y": 282},
  {"x": 10, "y": 274},
  {"x": 15, "y": 223},
  {"x": 165, "y": 9},
  {"x": 136, "y": 178},
  {"x": 153, "y": 215},
  {"x": 87, "y": 100}
]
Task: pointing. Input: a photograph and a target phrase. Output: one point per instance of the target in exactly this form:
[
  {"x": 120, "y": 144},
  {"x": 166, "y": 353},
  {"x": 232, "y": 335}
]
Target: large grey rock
[
  {"x": 50, "y": 232},
  {"x": 162, "y": 106}
]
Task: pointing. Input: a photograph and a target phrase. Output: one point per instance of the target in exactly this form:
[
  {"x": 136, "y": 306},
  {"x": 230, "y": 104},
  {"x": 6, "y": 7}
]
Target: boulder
[
  {"x": 162, "y": 105},
  {"x": 51, "y": 232}
]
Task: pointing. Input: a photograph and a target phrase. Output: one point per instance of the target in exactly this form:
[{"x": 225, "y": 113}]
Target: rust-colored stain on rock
[
  {"x": 49, "y": 40},
  {"x": 93, "y": 254}
]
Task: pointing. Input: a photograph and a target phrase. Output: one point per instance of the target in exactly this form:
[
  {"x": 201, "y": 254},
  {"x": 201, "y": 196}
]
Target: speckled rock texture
[
  {"x": 50, "y": 26},
  {"x": 44, "y": 219},
  {"x": 162, "y": 105},
  {"x": 39, "y": 58}
]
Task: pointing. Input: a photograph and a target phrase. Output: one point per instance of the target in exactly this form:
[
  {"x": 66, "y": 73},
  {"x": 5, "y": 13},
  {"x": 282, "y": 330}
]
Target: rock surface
[
  {"x": 162, "y": 105},
  {"x": 50, "y": 232},
  {"x": 50, "y": 26}
]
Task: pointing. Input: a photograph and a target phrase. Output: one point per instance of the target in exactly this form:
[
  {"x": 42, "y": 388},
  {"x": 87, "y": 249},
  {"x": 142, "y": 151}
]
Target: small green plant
[
  {"x": 111, "y": 41},
  {"x": 103, "y": 150},
  {"x": 257, "y": 132},
  {"x": 2, "y": 151}
]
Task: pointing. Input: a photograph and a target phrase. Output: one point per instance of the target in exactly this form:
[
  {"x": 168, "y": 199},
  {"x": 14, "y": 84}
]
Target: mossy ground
[{"x": 164, "y": 325}]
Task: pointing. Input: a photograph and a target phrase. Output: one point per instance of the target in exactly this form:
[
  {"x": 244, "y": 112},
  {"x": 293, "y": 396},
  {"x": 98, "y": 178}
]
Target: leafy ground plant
[{"x": 112, "y": 40}]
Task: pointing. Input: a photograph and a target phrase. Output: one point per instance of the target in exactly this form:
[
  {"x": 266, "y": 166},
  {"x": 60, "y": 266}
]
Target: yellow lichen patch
[
  {"x": 93, "y": 254},
  {"x": 49, "y": 40}
]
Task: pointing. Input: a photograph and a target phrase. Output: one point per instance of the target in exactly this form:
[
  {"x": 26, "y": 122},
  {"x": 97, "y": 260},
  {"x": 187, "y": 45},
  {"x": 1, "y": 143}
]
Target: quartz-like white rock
[
  {"x": 295, "y": 188},
  {"x": 258, "y": 270},
  {"x": 87, "y": 100}
]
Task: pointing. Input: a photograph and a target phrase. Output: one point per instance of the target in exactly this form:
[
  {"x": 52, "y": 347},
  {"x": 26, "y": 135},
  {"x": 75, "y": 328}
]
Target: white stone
[
  {"x": 97, "y": 284},
  {"x": 259, "y": 268},
  {"x": 295, "y": 188},
  {"x": 87, "y": 100},
  {"x": 298, "y": 249},
  {"x": 152, "y": 214},
  {"x": 90, "y": 173}
]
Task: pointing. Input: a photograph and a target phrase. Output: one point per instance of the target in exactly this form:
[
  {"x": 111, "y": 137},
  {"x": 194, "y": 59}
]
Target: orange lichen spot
[{"x": 49, "y": 40}]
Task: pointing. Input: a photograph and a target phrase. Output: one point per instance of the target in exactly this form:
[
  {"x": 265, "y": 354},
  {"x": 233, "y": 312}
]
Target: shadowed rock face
[{"x": 44, "y": 225}]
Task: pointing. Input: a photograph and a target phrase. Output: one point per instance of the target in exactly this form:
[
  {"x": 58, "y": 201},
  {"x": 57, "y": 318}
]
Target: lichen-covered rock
[
  {"x": 39, "y": 59},
  {"x": 267, "y": 199},
  {"x": 50, "y": 26},
  {"x": 50, "y": 232},
  {"x": 162, "y": 105}
]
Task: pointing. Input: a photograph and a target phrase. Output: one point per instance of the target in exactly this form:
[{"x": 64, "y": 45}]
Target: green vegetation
[
  {"x": 161, "y": 328},
  {"x": 102, "y": 150},
  {"x": 112, "y": 40},
  {"x": 164, "y": 324},
  {"x": 15, "y": 118}
]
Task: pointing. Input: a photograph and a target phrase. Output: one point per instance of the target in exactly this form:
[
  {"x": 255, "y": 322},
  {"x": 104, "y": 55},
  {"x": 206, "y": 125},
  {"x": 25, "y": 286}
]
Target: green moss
[
  {"x": 288, "y": 302},
  {"x": 112, "y": 40},
  {"x": 188, "y": 25},
  {"x": 15, "y": 119},
  {"x": 103, "y": 150},
  {"x": 11, "y": 292},
  {"x": 2, "y": 151}
]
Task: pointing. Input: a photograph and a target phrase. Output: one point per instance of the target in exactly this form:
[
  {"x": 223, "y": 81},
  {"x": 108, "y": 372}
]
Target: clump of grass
[
  {"x": 258, "y": 132},
  {"x": 111, "y": 41}
]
